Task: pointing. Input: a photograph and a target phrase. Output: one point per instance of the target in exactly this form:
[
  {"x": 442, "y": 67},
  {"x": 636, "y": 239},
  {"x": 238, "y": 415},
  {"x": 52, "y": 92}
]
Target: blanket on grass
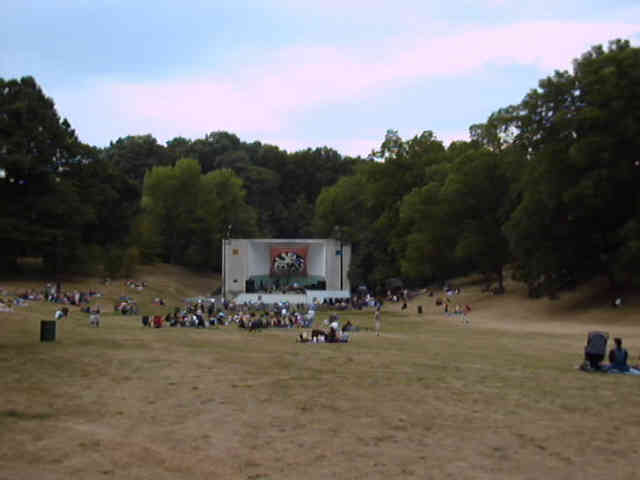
[{"x": 607, "y": 369}]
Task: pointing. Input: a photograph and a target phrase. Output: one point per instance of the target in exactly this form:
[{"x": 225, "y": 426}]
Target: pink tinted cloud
[{"x": 267, "y": 98}]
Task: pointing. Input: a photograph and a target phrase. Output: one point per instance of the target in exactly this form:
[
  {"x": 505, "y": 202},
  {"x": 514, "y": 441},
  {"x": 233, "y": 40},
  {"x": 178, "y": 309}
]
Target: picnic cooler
[{"x": 48, "y": 331}]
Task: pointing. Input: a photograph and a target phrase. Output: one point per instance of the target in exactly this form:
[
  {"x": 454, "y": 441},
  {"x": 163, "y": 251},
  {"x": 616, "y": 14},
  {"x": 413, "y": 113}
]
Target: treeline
[
  {"x": 548, "y": 186},
  {"x": 82, "y": 208}
]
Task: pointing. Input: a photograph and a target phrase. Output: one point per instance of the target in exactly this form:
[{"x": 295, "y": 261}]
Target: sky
[{"x": 297, "y": 74}]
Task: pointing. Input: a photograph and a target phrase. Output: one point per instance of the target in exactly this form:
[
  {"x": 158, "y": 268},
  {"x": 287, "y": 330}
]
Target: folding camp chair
[{"x": 596, "y": 348}]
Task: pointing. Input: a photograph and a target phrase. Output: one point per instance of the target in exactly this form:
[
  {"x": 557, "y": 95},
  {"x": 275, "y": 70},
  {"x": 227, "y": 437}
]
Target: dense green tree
[
  {"x": 476, "y": 199},
  {"x": 134, "y": 155},
  {"x": 430, "y": 244},
  {"x": 223, "y": 210},
  {"x": 303, "y": 176},
  {"x": 170, "y": 199},
  {"x": 40, "y": 211},
  {"x": 579, "y": 192},
  {"x": 112, "y": 199},
  {"x": 177, "y": 148},
  {"x": 212, "y": 147},
  {"x": 549, "y": 183},
  {"x": 366, "y": 207},
  {"x": 186, "y": 214}
]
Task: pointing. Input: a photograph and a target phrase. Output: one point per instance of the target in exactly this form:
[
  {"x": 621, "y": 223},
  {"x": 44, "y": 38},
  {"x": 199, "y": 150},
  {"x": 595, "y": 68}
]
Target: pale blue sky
[{"x": 296, "y": 74}]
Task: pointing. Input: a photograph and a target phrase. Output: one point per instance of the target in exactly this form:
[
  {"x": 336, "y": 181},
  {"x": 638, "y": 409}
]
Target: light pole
[
  {"x": 338, "y": 236},
  {"x": 341, "y": 260},
  {"x": 225, "y": 243},
  {"x": 224, "y": 268}
]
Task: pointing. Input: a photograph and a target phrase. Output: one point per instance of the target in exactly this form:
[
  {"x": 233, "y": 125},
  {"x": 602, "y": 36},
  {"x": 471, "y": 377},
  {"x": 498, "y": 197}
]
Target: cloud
[{"x": 267, "y": 99}]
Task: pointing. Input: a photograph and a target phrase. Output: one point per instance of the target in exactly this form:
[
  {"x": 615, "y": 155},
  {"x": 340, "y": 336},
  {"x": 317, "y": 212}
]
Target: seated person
[
  {"x": 332, "y": 336},
  {"x": 94, "y": 320},
  {"x": 618, "y": 357},
  {"x": 304, "y": 337},
  {"x": 317, "y": 333},
  {"x": 596, "y": 348},
  {"x": 334, "y": 324}
]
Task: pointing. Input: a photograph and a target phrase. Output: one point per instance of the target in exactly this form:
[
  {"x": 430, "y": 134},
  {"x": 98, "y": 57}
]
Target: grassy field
[{"x": 430, "y": 398}]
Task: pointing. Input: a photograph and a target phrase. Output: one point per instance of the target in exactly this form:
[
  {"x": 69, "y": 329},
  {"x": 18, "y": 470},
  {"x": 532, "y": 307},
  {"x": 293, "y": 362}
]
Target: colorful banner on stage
[{"x": 289, "y": 260}]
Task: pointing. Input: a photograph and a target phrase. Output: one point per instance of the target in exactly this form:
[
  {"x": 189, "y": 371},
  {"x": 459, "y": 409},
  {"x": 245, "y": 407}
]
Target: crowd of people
[
  {"x": 249, "y": 316},
  {"x": 458, "y": 309},
  {"x": 51, "y": 292},
  {"x": 255, "y": 317},
  {"x": 212, "y": 312}
]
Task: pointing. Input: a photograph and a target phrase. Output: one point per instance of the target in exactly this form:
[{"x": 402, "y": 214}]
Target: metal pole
[
  {"x": 224, "y": 270},
  {"x": 341, "y": 257},
  {"x": 225, "y": 242}
]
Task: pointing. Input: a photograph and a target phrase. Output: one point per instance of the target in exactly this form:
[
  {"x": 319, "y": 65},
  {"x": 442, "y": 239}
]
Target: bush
[
  {"x": 130, "y": 261},
  {"x": 114, "y": 262}
]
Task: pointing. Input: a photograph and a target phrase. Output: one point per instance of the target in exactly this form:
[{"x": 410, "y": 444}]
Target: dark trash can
[
  {"x": 420, "y": 309},
  {"x": 48, "y": 331}
]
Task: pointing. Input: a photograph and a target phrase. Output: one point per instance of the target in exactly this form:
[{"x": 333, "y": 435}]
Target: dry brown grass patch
[{"x": 430, "y": 398}]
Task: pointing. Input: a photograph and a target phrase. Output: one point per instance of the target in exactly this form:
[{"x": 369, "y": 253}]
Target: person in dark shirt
[{"x": 618, "y": 357}]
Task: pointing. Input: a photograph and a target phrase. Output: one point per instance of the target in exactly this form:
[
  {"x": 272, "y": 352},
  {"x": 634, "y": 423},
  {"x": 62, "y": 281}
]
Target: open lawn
[{"x": 430, "y": 398}]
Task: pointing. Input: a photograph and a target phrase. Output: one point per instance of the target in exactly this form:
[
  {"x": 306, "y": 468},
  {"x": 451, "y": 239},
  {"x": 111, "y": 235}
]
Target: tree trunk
[
  {"x": 500, "y": 274},
  {"x": 613, "y": 282},
  {"x": 500, "y": 279}
]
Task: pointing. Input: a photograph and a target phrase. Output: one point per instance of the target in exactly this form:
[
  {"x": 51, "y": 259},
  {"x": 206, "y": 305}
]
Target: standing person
[
  {"x": 464, "y": 312},
  {"x": 58, "y": 316},
  {"x": 97, "y": 314},
  {"x": 377, "y": 316}
]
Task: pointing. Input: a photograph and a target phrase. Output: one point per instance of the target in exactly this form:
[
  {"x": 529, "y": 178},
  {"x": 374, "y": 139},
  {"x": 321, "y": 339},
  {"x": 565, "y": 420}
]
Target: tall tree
[
  {"x": 186, "y": 213},
  {"x": 39, "y": 207},
  {"x": 580, "y": 132},
  {"x": 476, "y": 198},
  {"x": 112, "y": 199},
  {"x": 135, "y": 155}
]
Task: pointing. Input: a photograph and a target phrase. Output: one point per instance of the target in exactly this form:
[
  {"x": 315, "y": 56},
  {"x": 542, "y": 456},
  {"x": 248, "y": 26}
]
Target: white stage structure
[{"x": 275, "y": 270}]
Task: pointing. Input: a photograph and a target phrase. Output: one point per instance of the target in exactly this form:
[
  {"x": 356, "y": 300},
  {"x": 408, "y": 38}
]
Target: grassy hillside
[{"x": 430, "y": 398}]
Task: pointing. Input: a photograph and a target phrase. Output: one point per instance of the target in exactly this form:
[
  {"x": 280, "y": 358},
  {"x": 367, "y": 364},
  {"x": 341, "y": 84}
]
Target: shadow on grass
[{"x": 18, "y": 415}]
